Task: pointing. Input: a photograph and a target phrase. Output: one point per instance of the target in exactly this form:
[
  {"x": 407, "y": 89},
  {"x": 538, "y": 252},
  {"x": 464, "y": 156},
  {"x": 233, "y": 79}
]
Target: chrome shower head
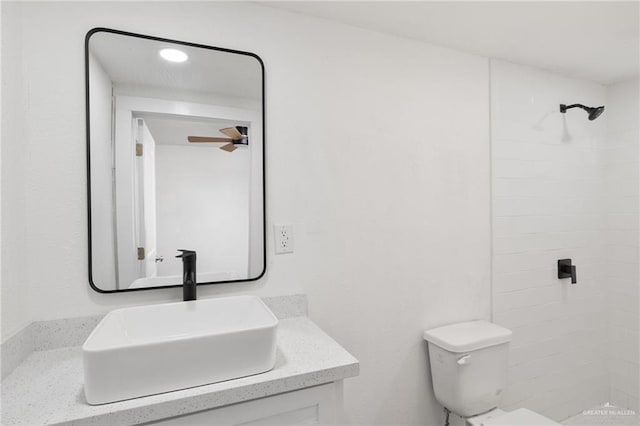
[{"x": 594, "y": 112}]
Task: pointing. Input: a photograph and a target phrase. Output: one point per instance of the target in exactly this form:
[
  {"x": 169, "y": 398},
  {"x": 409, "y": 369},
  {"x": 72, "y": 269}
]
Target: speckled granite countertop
[{"x": 47, "y": 387}]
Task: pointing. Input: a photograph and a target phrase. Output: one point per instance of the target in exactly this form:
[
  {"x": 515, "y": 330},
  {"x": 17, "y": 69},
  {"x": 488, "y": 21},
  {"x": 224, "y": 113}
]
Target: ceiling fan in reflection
[{"x": 237, "y": 136}]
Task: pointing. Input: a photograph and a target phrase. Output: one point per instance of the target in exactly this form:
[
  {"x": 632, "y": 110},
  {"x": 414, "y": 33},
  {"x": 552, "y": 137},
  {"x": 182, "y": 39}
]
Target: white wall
[
  {"x": 185, "y": 96},
  {"x": 102, "y": 213},
  {"x": 202, "y": 204},
  {"x": 14, "y": 157},
  {"x": 377, "y": 153},
  {"x": 1, "y": 134},
  {"x": 547, "y": 206},
  {"x": 621, "y": 185}
]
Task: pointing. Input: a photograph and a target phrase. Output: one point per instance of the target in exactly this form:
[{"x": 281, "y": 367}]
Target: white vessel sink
[{"x": 146, "y": 350}]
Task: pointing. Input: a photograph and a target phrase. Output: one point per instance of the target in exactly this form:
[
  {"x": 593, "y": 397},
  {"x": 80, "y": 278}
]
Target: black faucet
[{"x": 188, "y": 274}]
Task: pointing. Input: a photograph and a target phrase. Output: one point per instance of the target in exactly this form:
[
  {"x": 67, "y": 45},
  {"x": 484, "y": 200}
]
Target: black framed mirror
[{"x": 175, "y": 160}]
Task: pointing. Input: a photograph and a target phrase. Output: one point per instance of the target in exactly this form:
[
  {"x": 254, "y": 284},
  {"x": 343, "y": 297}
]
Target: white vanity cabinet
[
  {"x": 318, "y": 405},
  {"x": 304, "y": 388}
]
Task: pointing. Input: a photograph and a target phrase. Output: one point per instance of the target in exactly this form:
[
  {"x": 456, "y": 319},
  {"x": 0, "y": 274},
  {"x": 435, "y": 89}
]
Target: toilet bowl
[{"x": 469, "y": 371}]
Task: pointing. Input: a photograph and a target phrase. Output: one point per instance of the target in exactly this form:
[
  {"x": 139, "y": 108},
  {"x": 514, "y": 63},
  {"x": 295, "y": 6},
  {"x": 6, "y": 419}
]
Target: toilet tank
[{"x": 469, "y": 365}]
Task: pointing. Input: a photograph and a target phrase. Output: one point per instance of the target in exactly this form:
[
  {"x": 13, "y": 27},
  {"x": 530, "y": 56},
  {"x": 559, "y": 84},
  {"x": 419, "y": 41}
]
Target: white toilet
[{"x": 469, "y": 372}]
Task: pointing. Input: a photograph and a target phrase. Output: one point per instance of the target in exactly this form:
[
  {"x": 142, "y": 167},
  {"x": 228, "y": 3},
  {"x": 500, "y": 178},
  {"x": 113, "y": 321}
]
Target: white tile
[
  {"x": 621, "y": 205},
  {"x": 618, "y": 221},
  {"x": 539, "y": 349},
  {"x": 625, "y": 376},
  {"x": 527, "y": 298},
  {"x": 518, "y": 317},
  {"x": 620, "y": 237},
  {"x": 627, "y": 254},
  {"x": 517, "y": 392},
  {"x": 534, "y": 368},
  {"x": 624, "y": 320},
  {"x": 510, "y": 281},
  {"x": 625, "y": 302},
  {"x": 564, "y": 187},
  {"x": 622, "y": 270}
]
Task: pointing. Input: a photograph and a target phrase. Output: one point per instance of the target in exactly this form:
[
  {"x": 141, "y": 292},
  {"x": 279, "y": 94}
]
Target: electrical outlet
[{"x": 283, "y": 236}]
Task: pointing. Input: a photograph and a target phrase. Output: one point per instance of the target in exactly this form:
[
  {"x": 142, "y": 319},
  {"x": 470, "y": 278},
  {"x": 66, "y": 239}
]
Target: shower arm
[
  {"x": 564, "y": 108},
  {"x": 594, "y": 112}
]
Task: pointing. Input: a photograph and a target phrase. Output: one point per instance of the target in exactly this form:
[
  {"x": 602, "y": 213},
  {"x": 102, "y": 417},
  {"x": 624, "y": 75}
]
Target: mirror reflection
[{"x": 175, "y": 161}]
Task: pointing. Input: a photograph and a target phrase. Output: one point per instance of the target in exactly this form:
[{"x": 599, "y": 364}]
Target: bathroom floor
[{"x": 606, "y": 414}]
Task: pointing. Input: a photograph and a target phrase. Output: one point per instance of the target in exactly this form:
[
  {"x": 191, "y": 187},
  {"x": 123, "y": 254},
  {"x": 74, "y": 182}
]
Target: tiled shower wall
[
  {"x": 621, "y": 178},
  {"x": 547, "y": 187}
]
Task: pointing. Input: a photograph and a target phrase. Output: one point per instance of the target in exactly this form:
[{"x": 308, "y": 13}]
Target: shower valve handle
[{"x": 567, "y": 270}]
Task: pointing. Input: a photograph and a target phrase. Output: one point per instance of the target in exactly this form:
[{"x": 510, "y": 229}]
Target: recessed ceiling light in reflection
[{"x": 173, "y": 55}]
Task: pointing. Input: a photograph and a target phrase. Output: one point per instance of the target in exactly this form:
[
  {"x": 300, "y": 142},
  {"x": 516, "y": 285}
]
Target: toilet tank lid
[{"x": 468, "y": 336}]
